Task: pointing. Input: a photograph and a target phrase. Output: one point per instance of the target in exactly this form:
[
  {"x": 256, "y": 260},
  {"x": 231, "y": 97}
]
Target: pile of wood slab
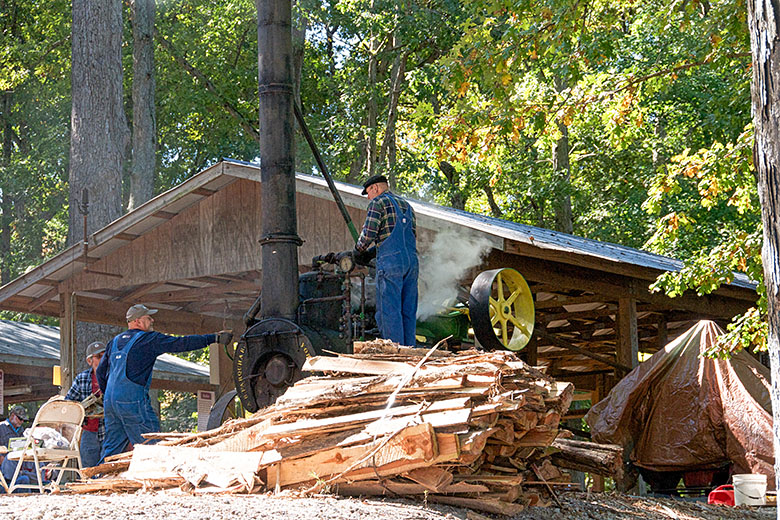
[{"x": 471, "y": 429}]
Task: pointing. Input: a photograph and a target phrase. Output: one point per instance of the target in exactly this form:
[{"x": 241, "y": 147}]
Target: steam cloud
[{"x": 443, "y": 265}]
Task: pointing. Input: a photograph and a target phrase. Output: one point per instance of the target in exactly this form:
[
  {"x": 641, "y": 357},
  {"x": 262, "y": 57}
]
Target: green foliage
[
  {"x": 179, "y": 410},
  {"x": 653, "y": 99}
]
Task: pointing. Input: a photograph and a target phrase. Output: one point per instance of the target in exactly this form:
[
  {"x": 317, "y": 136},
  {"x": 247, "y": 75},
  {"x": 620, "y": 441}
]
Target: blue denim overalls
[
  {"x": 126, "y": 407},
  {"x": 397, "y": 268}
]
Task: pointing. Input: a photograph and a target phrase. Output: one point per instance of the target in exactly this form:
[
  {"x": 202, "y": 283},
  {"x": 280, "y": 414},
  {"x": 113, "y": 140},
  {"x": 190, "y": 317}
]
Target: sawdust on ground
[{"x": 179, "y": 506}]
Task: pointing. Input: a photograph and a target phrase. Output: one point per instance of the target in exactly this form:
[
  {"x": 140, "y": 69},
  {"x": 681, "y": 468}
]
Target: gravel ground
[{"x": 179, "y": 506}]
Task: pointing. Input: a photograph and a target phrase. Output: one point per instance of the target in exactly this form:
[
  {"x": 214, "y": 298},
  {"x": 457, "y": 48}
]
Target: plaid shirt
[
  {"x": 380, "y": 220},
  {"x": 80, "y": 390}
]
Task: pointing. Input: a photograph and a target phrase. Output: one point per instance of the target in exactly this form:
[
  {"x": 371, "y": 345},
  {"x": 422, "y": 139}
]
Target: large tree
[
  {"x": 144, "y": 160},
  {"x": 99, "y": 132},
  {"x": 764, "y": 26}
]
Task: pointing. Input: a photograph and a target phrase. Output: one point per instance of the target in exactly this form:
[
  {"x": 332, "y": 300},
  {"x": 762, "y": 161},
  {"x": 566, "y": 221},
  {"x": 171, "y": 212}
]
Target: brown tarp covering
[{"x": 681, "y": 411}]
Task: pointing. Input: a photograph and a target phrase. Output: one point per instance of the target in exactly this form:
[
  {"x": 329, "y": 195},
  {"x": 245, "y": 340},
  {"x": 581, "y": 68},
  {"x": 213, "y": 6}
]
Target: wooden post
[
  {"x": 663, "y": 334},
  {"x": 597, "y": 395},
  {"x": 628, "y": 354},
  {"x": 628, "y": 337},
  {"x": 530, "y": 352},
  {"x": 67, "y": 341}
]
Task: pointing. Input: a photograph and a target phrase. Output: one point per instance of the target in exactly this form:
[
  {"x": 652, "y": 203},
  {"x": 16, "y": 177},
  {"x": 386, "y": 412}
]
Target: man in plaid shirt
[
  {"x": 83, "y": 386},
  {"x": 391, "y": 225}
]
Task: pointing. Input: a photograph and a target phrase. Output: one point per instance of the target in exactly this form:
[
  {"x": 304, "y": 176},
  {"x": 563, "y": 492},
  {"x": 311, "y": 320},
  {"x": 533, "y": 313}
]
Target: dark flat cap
[
  {"x": 20, "y": 412},
  {"x": 373, "y": 180}
]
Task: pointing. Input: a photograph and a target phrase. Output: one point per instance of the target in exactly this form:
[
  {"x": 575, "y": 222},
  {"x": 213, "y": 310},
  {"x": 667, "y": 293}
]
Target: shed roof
[
  {"x": 203, "y": 225},
  {"x": 38, "y": 282}
]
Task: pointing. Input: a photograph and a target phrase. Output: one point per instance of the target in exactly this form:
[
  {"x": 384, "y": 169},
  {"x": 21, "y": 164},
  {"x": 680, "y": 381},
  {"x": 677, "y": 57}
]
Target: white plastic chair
[{"x": 65, "y": 417}]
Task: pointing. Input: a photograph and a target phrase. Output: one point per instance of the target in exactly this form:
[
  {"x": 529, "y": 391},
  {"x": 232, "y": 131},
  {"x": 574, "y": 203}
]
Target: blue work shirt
[{"x": 143, "y": 354}]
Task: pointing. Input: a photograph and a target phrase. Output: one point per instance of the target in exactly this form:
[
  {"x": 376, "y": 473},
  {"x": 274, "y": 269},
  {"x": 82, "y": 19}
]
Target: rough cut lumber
[
  {"x": 411, "y": 443},
  {"x": 432, "y": 478},
  {"x": 392, "y": 487},
  {"x": 466, "y": 429},
  {"x": 497, "y": 507},
  {"x": 221, "y": 469}
]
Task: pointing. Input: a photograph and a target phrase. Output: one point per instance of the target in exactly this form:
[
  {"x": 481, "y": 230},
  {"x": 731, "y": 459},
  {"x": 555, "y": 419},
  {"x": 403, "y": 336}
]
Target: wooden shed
[{"x": 193, "y": 253}]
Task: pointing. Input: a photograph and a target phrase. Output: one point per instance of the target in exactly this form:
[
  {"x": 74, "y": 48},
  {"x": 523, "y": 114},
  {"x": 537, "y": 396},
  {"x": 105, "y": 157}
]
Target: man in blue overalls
[
  {"x": 391, "y": 224},
  {"x": 125, "y": 374}
]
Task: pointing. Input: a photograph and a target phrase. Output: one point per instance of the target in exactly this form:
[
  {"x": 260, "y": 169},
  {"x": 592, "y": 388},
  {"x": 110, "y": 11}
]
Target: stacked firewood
[{"x": 471, "y": 429}]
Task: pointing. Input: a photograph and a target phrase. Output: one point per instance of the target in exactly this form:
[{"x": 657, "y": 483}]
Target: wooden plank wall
[{"x": 219, "y": 235}]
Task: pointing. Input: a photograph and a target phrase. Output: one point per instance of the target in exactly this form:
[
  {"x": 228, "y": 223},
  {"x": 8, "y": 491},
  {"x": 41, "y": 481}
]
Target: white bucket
[{"x": 749, "y": 489}]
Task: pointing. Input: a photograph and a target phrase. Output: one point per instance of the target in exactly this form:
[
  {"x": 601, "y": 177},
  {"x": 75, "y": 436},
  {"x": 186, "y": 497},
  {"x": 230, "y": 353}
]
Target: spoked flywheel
[{"x": 501, "y": 307}]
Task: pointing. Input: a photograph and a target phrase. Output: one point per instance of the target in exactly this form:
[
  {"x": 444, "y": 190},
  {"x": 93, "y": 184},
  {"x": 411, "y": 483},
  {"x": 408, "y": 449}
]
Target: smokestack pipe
[{"x": 280, "y": 238}]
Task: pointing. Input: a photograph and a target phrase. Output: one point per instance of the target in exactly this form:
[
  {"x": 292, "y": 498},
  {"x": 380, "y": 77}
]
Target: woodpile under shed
[{"x": 472, "y": 429}]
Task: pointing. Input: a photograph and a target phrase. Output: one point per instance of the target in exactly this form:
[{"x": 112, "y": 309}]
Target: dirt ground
[{"x": 177, "y": 505}]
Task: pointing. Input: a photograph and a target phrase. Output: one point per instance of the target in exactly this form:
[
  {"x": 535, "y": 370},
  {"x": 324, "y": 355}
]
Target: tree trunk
[
  {"x": 99, "y": 132},
  {"x": 372, "y": 106},
  {"x": 6, "y": 205},
  {"x": 299, "y": 47},
  {"x": 144, "y": 125},
  {"x": 387, "y": 152},
  {"x": 765, "y": 89},
  {"x": 495, "y": 209},
  {"x": 560, "y": 153},
  {"x": 456, "y": 197}
]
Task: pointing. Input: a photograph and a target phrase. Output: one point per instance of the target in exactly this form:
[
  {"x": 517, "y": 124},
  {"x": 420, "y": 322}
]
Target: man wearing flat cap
[
  {"x": 125, "y": 374},
  {"x": 84, "y": 385},
  {"x": 391, "y": 225},
  {"x": 12, "y": 427}
]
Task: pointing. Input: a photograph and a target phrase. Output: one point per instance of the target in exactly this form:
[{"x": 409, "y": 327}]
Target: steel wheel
[
  {"x": 227, "y": 407},
  {"x": 502, "y": 309}
]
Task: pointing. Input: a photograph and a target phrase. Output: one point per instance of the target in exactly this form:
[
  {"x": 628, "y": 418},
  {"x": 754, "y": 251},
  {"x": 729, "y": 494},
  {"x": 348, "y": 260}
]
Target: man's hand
[
  {"x": 364, "y": 257},
  {"x": 224, "y": 337}
]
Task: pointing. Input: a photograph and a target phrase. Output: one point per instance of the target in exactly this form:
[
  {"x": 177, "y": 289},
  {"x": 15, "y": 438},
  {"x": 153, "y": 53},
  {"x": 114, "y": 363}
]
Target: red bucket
[{"x": 722, "y": 495}]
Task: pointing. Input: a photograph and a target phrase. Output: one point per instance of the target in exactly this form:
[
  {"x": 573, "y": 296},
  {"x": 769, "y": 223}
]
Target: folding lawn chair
[{"x": 65, "y": 417}]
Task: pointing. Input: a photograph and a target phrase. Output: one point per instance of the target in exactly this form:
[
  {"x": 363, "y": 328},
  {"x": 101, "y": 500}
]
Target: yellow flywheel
[{"x": 501, "y": 307}]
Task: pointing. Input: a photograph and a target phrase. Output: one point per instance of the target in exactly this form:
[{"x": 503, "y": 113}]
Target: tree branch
[{"x": 246, "y": 125}]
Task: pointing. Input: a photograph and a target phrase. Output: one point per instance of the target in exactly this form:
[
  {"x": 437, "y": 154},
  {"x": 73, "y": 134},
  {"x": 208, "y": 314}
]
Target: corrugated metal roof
[{"x": 41, "y": 345}]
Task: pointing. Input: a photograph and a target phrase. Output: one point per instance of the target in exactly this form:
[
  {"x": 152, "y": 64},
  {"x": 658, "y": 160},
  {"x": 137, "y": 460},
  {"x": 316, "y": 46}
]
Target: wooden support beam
[
  {"x": 133, "y": 295},
  {"x": 628, "y": 336},
  {"x": 167, "y": 215},
  {"x": 67, "y": 341},
  {"x": 172, "y": 322},
  {"x": 558, "y": 342},
  {"x": 203, "y": 192},
  {"x": 125, "y": 236},
  {"x": 201, "y": 293},
  {"x": 606, "y": 282},
  {"x": 530, "y": 352},
  {"x": 663, "y": 333},
  {"x": 45, "y": 297},
  {"x": 571, "y": 300}
]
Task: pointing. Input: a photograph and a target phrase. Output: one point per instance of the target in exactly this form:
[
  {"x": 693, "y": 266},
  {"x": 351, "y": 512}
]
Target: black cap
[
  {"x": 373, "y": 180},
  {"x": 20, "y": 412}
]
